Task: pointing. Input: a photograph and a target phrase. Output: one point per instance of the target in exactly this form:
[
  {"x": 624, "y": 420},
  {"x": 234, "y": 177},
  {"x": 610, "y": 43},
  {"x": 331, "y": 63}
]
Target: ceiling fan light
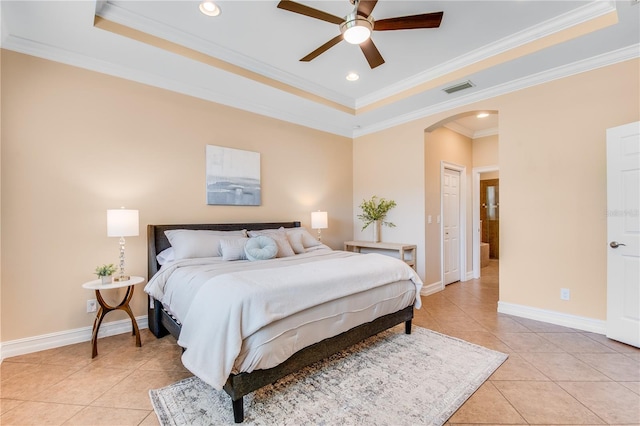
[
  {"x": 209, "y": 8},
  {"x": 356, "y": 30},
  {"x": 356, "y": 35}
]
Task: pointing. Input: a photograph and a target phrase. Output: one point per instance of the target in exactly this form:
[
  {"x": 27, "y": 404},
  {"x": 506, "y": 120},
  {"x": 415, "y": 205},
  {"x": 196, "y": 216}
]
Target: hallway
[{"x": 554, "y": 375}]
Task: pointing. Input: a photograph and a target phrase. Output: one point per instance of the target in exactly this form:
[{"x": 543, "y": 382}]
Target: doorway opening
[
  {"x": 490, "y": 209},
  {"x": 461, "y": 142}
]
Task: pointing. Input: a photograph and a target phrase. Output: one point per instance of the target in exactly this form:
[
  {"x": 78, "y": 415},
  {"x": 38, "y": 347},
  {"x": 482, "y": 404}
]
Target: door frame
[
  {"x": 623, "y": 143},
  {"x": 462, "y": 251},
  {"x": 476, "y": 237}
]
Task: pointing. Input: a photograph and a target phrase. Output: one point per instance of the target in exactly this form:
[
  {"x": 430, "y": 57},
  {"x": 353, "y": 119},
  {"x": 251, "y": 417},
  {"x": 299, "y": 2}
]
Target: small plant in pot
[
  {"x": 105, "y": 273},
  {"x": 374, "y": 211}
]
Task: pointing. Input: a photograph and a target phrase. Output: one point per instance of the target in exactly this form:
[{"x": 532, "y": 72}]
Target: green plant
[
  {"x": 105, "y": 270},
  {"x": 376, "y": 209}
]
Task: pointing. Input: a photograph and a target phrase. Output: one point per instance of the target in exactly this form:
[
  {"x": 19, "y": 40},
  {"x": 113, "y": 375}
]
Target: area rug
[{"x": 389, "y": 379}]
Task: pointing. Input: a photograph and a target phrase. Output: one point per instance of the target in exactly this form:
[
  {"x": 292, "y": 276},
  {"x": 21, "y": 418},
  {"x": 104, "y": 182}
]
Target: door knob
[{"x": 615, "y": 244}]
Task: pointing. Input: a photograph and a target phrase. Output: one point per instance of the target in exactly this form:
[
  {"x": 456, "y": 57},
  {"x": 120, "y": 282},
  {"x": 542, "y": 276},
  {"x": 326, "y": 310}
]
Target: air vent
[{"x": 461, "y": 86}]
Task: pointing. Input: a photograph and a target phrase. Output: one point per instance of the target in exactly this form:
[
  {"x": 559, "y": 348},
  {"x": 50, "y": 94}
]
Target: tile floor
[{"x": 554, "y": 375}]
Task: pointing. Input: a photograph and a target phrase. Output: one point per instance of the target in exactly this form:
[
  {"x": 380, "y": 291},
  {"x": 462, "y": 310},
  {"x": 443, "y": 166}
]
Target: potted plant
[
  {"x": 105, "y": 273},
  {"x": 374, "y": 211}
]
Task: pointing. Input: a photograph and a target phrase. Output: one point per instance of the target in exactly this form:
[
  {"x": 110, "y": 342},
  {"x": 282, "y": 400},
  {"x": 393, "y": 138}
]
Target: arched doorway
[{"x": 465, "y": 143}]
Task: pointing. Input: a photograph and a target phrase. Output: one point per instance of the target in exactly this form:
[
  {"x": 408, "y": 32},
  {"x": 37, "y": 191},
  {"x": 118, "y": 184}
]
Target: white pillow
[
  {"x": 190, "y": 243},
  {"x": 280, "y": 237},
  {"x": 296, "y": 242},
  {"x": 233, "y": 248},
  {"x": 265, "y": 232},
  {"x": 165, "y": 256},
  {"x": 307, "y": 239}
]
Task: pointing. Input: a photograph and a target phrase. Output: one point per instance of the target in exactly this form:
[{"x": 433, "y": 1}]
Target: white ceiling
[{"x": 248, "y": 57}]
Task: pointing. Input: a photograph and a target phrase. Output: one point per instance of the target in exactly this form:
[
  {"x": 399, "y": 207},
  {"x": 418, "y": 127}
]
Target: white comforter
[{"x": 237, "y": 304}]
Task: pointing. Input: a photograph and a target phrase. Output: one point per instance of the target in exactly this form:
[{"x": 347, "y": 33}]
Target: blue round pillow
[{"x": 260, "y": 248}]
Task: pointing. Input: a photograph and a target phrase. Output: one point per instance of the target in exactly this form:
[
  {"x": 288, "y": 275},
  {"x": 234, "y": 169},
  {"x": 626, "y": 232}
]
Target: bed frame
[{"x": 238, "y": 385}]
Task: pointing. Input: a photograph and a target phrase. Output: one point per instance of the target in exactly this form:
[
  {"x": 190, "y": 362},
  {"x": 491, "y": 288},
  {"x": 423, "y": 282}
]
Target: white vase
[
  {"x": 376, "y": 231},
  {"x": 106, "y": 279}
]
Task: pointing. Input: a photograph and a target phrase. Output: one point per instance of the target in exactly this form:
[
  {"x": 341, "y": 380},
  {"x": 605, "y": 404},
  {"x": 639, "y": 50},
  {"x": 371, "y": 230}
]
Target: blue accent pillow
[{"x": 261, "y": 248}]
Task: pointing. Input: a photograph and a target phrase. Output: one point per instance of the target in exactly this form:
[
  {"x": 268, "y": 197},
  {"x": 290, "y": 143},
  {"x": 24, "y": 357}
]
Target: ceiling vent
[{"x": 461, "y": 86}]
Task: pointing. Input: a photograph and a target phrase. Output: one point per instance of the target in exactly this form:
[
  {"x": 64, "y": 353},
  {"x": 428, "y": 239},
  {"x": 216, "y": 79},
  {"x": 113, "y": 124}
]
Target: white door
[
  {"x": 451, "y": 225},
  {"x": 623, "y": 233}
]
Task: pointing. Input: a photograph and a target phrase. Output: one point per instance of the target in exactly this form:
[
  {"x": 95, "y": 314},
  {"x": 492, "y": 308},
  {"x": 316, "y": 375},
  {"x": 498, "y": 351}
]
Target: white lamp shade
[
  {"x": 319, "y": 220},
  {"x": 122, "y": 223}
]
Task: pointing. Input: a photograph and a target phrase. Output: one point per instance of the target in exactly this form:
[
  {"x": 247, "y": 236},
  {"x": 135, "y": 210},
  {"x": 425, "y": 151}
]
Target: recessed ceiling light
[
  {"x": 352, "y": 76},
  {"x": 483, "y": 115},
  {"x": 209, "y": 8}
]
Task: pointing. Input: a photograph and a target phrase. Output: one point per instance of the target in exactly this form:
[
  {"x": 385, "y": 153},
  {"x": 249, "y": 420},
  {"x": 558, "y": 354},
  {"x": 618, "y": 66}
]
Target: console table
[{"x": 407, "y": 252}]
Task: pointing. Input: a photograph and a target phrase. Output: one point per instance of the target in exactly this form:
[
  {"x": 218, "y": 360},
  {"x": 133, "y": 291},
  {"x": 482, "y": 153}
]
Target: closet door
[{"x": 451, "y": 225}]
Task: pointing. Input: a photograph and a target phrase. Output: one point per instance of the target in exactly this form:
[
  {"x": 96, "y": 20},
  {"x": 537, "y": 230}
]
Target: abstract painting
[{"x": 233, "y": 177}]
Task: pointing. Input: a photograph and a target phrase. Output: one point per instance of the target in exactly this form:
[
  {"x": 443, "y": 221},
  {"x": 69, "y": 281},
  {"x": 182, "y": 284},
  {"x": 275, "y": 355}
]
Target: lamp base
[{"x": 121, "y": 278}]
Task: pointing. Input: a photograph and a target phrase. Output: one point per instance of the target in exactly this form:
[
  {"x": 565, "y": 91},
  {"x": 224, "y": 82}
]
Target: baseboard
[
  {"x": 552, "y": 317},
  {"x": 431, "y": 288},
  {"x": 68, "y": 337},
  {"x": 469, "y": 276}
]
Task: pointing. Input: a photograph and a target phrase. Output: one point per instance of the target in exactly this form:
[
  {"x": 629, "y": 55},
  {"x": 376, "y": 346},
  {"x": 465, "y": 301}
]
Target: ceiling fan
[{"x": 361, "y": 23}]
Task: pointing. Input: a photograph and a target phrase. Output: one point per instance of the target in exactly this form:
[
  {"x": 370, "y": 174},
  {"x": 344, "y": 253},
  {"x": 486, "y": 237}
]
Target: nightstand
[
  {"x": 406, "y": 252},
  {"x": 105, "y": 308}
]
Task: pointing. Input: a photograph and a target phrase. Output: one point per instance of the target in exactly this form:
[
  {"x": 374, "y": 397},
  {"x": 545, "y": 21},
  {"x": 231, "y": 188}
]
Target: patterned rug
[{"x": 388, "y": 379}]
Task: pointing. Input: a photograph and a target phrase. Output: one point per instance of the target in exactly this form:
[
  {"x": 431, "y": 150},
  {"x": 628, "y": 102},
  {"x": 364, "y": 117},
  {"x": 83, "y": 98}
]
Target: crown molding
[
  {"x": 121, "y": 16},
  {"x": 49, "y": 52},
  {"x": 458, "y": 128},
  {"x": 486, "y": 132},
  {"x": 56, "y": 54},
  {"x": 606, "y": 59},
  {"x": 570, "y": 19}
]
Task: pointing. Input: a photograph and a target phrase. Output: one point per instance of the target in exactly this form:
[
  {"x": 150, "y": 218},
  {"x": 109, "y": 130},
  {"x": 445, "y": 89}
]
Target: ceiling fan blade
[
  {"x": 426, "y": 20},
  {"x": 365, "y": 7},
  {"x": 371, "y": 53},
  {"x": 292, "y": 6},
  {"x": 320, "y": 50}
]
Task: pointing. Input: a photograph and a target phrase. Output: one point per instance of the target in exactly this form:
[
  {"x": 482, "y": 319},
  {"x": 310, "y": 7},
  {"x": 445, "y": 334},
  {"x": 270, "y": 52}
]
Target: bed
[{"x": 285, "y": 341}]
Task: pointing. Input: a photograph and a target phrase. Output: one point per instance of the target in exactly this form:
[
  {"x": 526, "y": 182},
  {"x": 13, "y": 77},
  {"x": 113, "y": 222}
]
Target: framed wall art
[{"x": 233, "y": 177}]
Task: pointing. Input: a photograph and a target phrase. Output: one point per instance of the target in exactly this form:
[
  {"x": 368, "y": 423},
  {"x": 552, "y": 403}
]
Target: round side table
[{"x": 105, "y": 308}]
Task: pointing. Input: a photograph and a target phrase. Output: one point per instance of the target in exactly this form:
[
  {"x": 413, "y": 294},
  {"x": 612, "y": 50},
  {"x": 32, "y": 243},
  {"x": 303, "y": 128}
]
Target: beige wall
[
  {"x": 76, "y": 142},
  {"x": 490, "y": 175},
  {"x": 553, "y": 187},
  {"x": 552, "y": 183},
  {"x": 485, "y": 151},
  {"x": 389, "y": 165}
]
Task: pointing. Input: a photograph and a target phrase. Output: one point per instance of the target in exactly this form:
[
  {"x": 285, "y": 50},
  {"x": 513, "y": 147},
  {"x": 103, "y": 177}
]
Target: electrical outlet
[
  {"x": 92, "y": 305},
  {"x": 565, "y": 294}
]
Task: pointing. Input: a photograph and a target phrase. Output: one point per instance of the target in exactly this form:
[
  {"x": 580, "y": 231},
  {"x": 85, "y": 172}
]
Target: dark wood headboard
[{"x": 157, "y": 240}]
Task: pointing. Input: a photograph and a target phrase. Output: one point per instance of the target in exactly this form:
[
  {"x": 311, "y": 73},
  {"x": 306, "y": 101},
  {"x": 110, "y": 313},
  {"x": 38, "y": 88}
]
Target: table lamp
[
  {"x": 319, "y": 221},
  {"x": 122, "y": 223}
]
